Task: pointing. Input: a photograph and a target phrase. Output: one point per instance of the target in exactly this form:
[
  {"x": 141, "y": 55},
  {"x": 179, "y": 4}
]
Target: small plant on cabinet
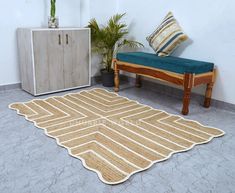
[{"x": 53, "y": 21}]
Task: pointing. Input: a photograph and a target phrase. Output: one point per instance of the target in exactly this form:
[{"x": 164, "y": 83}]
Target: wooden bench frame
[{"x": 188, "y": 81}]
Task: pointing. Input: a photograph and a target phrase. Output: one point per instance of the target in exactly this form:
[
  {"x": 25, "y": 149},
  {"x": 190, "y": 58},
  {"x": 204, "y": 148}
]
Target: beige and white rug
[{"x": 112, "y": 135}]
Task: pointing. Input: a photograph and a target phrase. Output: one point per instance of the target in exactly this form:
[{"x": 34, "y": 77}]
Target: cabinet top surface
[{"x": 53, "y": 29}]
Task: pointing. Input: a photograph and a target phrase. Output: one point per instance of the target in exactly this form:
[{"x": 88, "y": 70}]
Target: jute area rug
[{"x": 112, "y": 135}]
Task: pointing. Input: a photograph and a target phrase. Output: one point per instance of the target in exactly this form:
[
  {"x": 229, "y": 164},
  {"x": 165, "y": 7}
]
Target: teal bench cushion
[{"x": 169, "y": 63}]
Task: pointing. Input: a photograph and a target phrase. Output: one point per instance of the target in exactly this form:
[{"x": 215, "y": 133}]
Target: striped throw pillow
[{"x": 166, "y": 38}]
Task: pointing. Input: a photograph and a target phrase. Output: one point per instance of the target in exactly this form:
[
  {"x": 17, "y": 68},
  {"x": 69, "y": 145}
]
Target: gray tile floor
[{"x": 30, "y": 162}]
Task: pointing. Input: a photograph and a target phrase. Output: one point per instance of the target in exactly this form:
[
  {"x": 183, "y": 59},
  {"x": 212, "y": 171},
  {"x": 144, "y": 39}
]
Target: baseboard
[
  {"x": 164, "y": 89},
  {"x": 10, "y": 86},
  {"x": 97, "y": 79},
  {"x": 171, "y": 91},
  {"x": 94, "y": 80}
]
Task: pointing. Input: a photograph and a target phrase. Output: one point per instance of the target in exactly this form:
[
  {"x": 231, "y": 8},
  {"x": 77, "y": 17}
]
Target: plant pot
[
  {"x": 53, "y": 22},
  {"x": 107, "y": 78}
]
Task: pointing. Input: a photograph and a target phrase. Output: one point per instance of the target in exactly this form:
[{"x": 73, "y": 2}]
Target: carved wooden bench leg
[
  {"x": 188, "y": 80},
  {"x": 209, "y": 88},
  {"x": 116, "y": 78},
  {"x": 138, "y": 81},
  {"x": 208, "y": 94}
]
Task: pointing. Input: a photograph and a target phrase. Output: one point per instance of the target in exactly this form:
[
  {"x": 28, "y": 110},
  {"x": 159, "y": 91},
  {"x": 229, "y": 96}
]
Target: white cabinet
[{"x": 53, "y": 60}]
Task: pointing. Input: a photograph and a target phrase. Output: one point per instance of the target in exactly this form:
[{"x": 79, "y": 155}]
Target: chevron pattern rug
[{"x": 112, "y": 135}]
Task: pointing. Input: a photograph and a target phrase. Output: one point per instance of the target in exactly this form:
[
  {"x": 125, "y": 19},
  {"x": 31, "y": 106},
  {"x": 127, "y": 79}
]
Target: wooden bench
[{"x": 179, "y": 71}]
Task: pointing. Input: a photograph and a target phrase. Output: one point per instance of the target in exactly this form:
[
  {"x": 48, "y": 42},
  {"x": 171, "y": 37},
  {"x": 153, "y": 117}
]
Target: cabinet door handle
[
  {"x": 67, "y": 39},
  {"x": 59, "y": 39}
]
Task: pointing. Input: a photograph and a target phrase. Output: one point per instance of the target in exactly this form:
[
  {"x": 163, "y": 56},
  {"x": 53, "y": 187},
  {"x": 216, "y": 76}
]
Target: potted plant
[
  {"x": 53, "y": 21},
  {"x": 107, "y": 40}
]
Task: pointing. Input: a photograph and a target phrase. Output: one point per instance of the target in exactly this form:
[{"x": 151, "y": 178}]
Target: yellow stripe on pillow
[{"x": 166, "y": 38}]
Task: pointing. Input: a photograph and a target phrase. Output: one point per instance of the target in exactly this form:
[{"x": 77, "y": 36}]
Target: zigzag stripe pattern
[{"x": 112, "y": 135}]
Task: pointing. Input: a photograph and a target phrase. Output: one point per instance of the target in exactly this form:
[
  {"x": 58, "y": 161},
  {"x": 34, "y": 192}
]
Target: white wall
[
  {"x": 209, "y": 23},
  {"x": 101, "y": 10}
]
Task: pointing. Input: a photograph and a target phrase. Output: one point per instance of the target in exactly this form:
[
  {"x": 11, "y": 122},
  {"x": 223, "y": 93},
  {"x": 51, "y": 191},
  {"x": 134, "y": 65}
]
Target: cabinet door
[
  {"x": 48, "y": 60},
  {"x": 76, "y": 58}
]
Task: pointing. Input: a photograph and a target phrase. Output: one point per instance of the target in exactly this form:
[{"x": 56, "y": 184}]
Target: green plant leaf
[
  {"x": 106, "y": 40},
  {"x": 53, "y": 8}
]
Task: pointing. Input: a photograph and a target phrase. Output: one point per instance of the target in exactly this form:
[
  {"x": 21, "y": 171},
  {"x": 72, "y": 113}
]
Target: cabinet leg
[
  {"x": 138, "y": 83},
  {"x": 208, "y": 94}
]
